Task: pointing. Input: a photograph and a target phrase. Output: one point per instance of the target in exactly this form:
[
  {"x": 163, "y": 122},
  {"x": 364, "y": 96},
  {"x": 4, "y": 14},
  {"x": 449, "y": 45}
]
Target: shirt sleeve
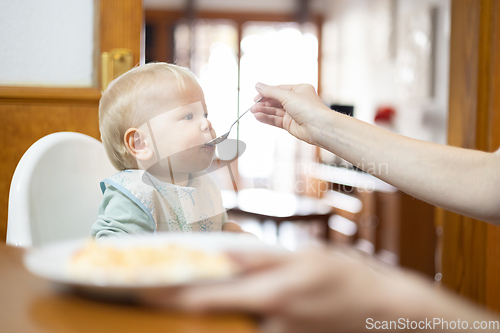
[
  {"x": 118, "y": 215},
  {"x": 224, "y": 218}
]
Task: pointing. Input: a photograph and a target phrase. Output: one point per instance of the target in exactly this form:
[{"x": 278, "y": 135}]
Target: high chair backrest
[{"x": 55, "y": 192}]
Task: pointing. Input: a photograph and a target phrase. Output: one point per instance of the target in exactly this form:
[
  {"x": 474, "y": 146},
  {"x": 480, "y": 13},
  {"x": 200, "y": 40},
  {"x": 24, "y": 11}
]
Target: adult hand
[
  {"x": 315, "y": 291},
  {"x": 295, "y": 108}
]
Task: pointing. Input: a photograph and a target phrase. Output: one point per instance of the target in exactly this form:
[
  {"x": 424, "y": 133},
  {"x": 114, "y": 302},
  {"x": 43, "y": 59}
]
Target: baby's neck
[
  {"x": 179, "y": 179},
  {"x": 163, "y": 172}
]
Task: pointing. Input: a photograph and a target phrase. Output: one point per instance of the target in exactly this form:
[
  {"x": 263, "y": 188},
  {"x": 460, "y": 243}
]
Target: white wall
[
  {"x": 355, "y": 73},
  {"x": 47, "y": 42}
]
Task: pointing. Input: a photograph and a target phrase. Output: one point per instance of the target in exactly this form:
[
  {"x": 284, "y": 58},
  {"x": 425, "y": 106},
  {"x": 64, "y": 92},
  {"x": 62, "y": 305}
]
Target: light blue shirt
[{"x": 135, "y": 202}]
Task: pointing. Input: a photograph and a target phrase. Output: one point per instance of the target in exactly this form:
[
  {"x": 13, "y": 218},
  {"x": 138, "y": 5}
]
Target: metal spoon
[{"x": 223, "y": 137}]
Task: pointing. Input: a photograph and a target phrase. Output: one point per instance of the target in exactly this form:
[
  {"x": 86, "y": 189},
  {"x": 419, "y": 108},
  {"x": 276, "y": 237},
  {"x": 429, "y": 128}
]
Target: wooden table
[
  {"x": 30, "y": 304},
  {"x": 263, "y": 204}
]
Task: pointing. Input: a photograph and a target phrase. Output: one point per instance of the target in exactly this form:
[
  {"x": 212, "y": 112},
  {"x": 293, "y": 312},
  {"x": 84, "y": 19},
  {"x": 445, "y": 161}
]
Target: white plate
[{"x": 51, "y": 262}]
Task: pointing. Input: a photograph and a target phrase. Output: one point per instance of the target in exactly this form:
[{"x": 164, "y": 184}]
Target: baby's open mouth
[{"x": 208, "y": 144}]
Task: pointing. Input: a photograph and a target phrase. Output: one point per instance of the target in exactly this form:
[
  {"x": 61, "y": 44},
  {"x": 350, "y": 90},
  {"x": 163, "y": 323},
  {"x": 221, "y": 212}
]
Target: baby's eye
[
  {"x": 206, "y": 115},
  {"x": 188, "y": 116}
]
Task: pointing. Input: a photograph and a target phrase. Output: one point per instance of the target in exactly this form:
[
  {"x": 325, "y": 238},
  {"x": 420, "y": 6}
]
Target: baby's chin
[
  {"x": 202, "y": 163},
  {"x": 198, "y": 163}
]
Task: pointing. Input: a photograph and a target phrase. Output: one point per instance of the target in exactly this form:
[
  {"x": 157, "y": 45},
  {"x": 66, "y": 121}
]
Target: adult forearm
[
  {"x": 461, "y": 180},
  {"x": 406, "y": 301},
  {"x": 420, "y": 306}
]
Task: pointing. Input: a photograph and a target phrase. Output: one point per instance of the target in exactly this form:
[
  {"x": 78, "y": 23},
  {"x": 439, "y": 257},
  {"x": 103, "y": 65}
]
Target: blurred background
[
  {"x": 382, "y": 61},
  {"x": 385, "y": 62}
]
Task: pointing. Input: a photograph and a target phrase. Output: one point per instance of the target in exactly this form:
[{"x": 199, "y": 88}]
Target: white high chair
[{"x": 55, "y": 192}]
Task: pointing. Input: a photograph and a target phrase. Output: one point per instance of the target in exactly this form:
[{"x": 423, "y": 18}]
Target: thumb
[{"x": 279, "y": 93}]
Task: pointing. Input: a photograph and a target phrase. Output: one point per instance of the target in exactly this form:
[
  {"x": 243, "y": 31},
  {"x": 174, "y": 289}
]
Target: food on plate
[{"x": 116, "y": 264}]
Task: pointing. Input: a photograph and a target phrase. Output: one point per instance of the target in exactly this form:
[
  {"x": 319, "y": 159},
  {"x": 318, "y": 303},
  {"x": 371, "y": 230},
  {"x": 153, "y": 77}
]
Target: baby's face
[{"x": 180, "y": 129}]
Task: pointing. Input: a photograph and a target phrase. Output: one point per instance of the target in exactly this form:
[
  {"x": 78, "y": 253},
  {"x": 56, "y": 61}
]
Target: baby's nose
[{"x": 206, "y": 125}]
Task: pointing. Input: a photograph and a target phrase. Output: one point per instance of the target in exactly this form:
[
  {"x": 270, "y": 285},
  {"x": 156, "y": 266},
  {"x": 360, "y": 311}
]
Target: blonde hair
[{"x": 119, "y": 107}]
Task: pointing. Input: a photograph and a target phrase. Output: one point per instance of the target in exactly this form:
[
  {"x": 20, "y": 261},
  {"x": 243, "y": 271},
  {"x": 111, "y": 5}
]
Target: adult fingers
[
  {"x": 264, "y": 288},
  {"x": 287, "y": 86},
  {"x": 269, "y": 120},
  {"x": 267, "y": 102},
  {"x": 279, "y": 93},
  {"x": 255, "y": 293},
  {"x": 271, "y": 110}
]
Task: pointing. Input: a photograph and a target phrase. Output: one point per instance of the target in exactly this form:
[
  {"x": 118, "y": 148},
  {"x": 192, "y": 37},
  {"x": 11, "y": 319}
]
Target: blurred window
[
  {"x": 273, "y": 53},
  {"x": 211, "y": 52}
]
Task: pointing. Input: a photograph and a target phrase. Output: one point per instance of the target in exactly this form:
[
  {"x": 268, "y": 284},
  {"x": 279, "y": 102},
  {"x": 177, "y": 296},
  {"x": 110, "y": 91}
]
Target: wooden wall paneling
[
  {"x": 493, "y": 268},
  {"x": 470, "y": 248},
  {"x": 462, "y": 262},
  {"x": 461, "y": 131},
  {"x": 462, "y": 106},
  {"x": 388, "y": 211},
  {"x": 162, "y": 35},
  {"x": 121, "y": 26},
  {"x": 164, "y": 41},
  {"x": 493, "y": 232},
  {"x": 417, "y": 242},
  {"x": 368, "y": 220},
  {"x": 439, "y": 216},
  {"x": 318, "y": 20}
]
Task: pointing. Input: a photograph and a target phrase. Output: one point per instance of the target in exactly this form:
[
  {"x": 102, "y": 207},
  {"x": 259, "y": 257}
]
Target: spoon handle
[{"x": 244, "y": 113}]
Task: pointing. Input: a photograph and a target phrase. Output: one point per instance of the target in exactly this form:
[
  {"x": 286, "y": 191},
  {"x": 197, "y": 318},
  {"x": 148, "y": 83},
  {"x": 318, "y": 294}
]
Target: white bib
[{"x": 197, "y": 207}]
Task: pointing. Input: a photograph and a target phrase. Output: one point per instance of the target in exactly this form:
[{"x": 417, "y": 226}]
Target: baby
[{"x": 153, "y": 123}]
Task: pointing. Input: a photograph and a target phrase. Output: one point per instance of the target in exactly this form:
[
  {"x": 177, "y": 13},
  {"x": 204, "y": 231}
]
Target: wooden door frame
[{"x": 471, "y": 248}]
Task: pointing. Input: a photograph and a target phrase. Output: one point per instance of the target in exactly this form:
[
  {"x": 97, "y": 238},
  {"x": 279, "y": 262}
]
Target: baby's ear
[{"x": 138, "y": 145}]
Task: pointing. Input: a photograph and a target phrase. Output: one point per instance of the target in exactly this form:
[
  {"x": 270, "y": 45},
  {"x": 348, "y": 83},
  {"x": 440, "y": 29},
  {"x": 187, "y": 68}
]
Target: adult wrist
[
  {"x": 406, "y": 298},
  {"x": 322, "y": 128},
  {"x": 418, "y": 303}
]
